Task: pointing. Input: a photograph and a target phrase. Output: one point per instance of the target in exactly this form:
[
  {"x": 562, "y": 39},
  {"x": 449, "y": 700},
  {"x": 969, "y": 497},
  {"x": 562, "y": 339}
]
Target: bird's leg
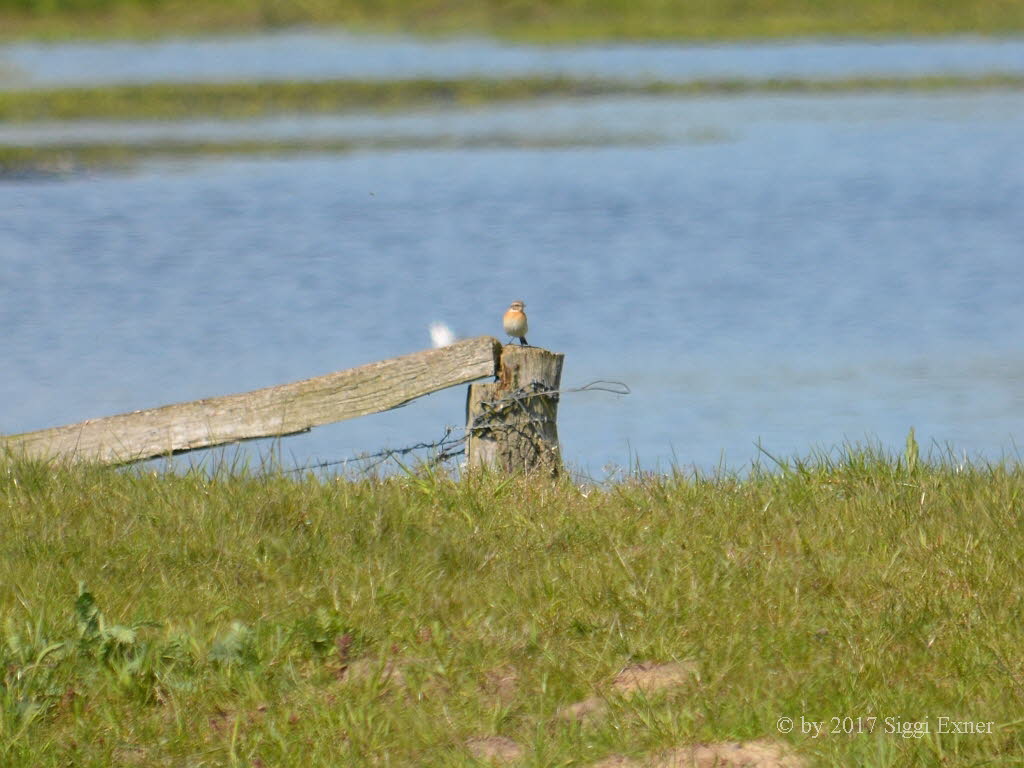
[{"x": 523, "y": 342}]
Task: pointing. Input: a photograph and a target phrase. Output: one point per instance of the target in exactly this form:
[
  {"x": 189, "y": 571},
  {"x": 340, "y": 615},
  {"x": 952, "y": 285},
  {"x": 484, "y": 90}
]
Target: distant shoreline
[{"x": 531, "y": 20}]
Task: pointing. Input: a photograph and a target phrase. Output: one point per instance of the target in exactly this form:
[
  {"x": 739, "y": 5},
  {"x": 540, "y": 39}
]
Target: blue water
[
  {"x": 797, "y": 272},
  {"x": 320, "y": 55},
  {"x": 834, "y": 270}
]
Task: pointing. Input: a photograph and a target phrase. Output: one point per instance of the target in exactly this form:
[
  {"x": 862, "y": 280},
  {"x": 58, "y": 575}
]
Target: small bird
[{"x": 515, "y": 322}]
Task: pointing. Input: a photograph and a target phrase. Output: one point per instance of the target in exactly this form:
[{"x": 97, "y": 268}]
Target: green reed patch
[
  {"x": 60, "y": 160},
  {"x": 241, "y": 100},
  {"x": 234, "y": 618}
]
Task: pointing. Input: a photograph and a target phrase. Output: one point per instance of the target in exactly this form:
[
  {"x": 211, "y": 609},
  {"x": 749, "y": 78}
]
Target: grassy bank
[
  {"x": 274, "y": 620},
  {"x": 236, "y": 100},
  {"x": 521, "y": 19}
]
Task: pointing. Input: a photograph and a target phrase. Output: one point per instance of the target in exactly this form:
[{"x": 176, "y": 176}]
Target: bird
[{"x": 515, "y": 322}]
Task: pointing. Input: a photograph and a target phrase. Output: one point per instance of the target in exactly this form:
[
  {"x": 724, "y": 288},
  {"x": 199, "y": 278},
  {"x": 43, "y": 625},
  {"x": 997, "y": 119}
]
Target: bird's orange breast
[{"x": 515, "y": 323}]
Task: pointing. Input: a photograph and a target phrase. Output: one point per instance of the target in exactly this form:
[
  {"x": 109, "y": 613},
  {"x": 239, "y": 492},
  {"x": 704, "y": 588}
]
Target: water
[
  {"x": 318, "y": 55},
  {"x": 797, "y": 272}
]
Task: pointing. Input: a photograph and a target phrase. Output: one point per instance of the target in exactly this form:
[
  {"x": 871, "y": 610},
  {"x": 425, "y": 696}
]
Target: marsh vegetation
[{"x": 164, "y": 101}]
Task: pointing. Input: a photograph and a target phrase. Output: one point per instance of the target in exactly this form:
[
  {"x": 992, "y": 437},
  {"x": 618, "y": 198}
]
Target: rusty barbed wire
[
  {"x": 387, "y": 453},
  {"x": 598, "y": 385},
  {"x": 516, "y": 397},
  {"x": 447, "y": 442}
]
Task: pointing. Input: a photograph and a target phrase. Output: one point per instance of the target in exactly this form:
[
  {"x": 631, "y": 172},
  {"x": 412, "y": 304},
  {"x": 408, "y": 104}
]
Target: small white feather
[{"x": 441, "y": 335}]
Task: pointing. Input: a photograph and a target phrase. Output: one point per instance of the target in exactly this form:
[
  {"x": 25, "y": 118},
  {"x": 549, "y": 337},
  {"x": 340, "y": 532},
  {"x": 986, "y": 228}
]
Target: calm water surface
[
  {"x": 799, "y": 272},
  {"x": 320, "y": 55}
]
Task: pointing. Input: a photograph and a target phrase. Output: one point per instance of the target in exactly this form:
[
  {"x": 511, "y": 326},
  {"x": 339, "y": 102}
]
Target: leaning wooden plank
[{"x": 271, "y": 412}]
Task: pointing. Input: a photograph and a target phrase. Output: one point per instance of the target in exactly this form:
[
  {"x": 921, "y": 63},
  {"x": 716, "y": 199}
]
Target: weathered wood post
[
  {"x": 271, "y": 412},
  {"x": 511, "y": 423}
]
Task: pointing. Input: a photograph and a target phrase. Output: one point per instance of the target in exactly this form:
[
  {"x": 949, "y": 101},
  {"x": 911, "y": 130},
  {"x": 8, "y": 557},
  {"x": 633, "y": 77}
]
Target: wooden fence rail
[{"x": 272, "y": 412}]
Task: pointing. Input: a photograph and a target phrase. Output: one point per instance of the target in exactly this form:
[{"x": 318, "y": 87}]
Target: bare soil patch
[
  {"x": 502, "y": 683},
  {"x": 496, "y": 749},
  {"x": 648, "y": 677},
  {"x": 588, "y": 709},
  {"x": 751, "y": 754},
  {"x": 645, "y": 677}
]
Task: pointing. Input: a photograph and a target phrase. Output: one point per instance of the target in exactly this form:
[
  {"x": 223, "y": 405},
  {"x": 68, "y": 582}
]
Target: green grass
[
  {"x": 545, "y": 20},
  {"x": 238, "y": 100},
  {"x": 251, "y": 618}
]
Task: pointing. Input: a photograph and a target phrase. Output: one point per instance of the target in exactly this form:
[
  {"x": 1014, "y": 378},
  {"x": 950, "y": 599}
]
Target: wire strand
[{"x": 448, "y": 442}]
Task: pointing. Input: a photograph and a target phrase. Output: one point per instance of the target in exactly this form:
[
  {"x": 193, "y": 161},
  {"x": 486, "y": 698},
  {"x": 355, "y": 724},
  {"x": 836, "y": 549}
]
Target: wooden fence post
[{"x": 510, "y": 423}]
